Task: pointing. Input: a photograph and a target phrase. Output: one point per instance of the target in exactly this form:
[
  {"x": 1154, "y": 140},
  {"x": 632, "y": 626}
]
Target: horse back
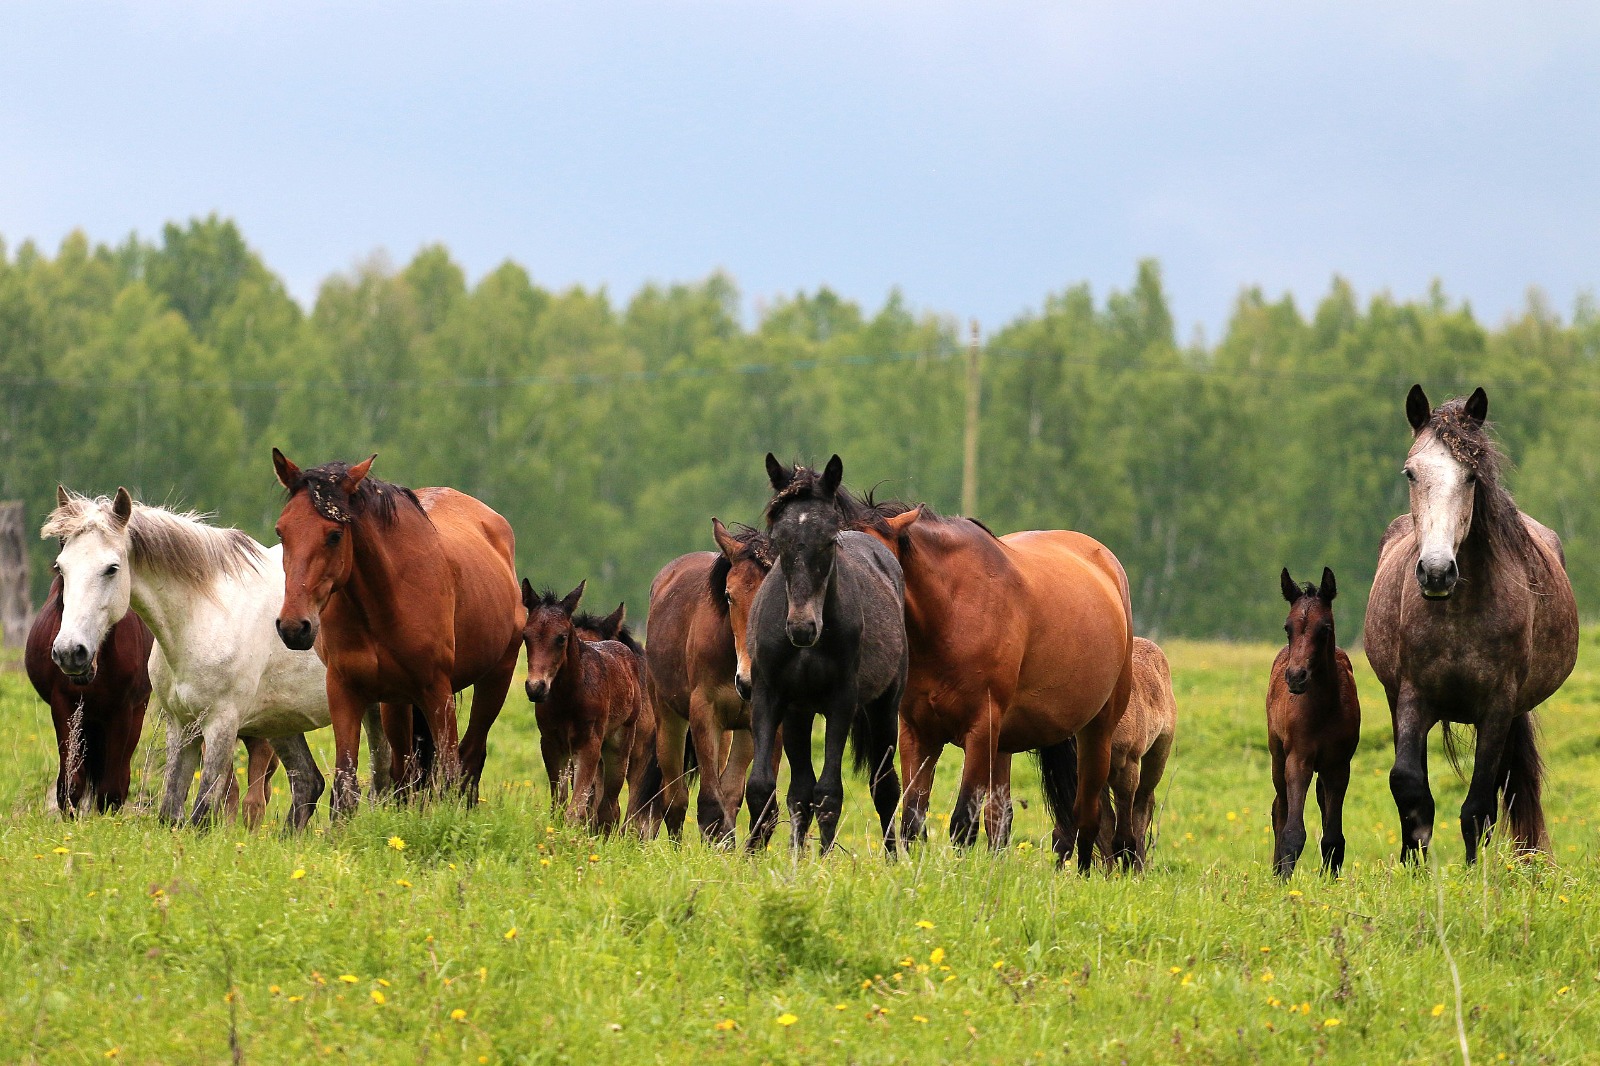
[{"x": 480, "y": 549}]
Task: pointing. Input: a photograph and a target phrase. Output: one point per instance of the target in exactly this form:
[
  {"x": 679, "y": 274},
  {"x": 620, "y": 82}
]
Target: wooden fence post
[{"x": 16, "y": 600}]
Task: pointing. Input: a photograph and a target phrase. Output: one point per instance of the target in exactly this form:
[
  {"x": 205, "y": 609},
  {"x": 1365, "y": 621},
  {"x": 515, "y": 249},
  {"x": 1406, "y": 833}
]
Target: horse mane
[
  {"x": 596, "y": 624},
  {"x": 181, "y": 545},
  {"x": 1307, "y": 589},
  {"x": 929, "y": 512},
  {"x": 373, "y": 498},
  {"x": 1494, "y": 512},
  {"x": 753, "y": 544},
  {"x": 855, "y": 512}
]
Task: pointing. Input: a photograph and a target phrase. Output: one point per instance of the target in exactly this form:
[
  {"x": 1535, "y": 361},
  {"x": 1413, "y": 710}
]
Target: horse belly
[{"x": 487, "y": 609}]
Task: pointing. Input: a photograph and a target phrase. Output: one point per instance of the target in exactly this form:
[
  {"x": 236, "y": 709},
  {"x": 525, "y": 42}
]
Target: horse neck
[
  {"x": 929, "y": 579},
  {"x": 167, "y": 605},
  {"x": 1477, "y": 556},
  {"x": 567, "y": 687}
]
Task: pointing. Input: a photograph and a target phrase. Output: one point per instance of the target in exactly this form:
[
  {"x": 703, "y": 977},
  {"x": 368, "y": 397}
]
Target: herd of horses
[{"x": 904, "y": 630}]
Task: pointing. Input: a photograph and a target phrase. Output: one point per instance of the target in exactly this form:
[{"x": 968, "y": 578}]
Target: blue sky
[{"x": 977, "y": 155}]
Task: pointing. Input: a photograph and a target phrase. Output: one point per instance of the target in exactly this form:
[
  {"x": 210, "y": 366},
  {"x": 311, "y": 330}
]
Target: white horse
[{"x": 210, "y": 595}]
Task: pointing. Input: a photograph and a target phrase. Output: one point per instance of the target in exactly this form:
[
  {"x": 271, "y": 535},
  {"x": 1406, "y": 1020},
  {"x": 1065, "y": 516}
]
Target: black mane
[
  {"x": 854, "y": 511},
  {"x": 596, "y": 624},
  {"x": 753, "y": 544},
  {"x": 373, "y": 498}
]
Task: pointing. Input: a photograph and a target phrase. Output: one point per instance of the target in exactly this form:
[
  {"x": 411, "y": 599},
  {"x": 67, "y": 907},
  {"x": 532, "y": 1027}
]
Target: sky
[{"x": 978, "y": 156}]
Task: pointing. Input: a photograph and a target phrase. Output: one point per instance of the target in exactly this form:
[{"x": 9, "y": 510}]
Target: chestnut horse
[
  {"x": 409, "y": 597},
  {"x": 1313, "y": 725},
  {"x": 98, "y": 715},
  {"x": 1018, "y": 643},
  {"x": 691, "y": 666},
  {"x": 1471, "y": 620},
  {"x": 595, "y": 728}
]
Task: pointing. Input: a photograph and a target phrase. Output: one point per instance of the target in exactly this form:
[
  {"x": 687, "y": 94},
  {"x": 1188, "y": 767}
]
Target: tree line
[{"x": 610, "y": 432}]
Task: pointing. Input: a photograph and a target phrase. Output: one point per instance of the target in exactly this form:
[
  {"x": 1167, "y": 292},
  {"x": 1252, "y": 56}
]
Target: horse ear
[
  {"x": 528, "y": 597},
  {"x": 62, "y": 499},
  {"x": 1478, "y": 405},
  {"x": 122, "y": 506},
  {"x": 570, "y": 604},
  {"x": 611, "y": 625},
  {"x": 901, "y": 524},
  {"x": 288, "y": 473},
  {"x": 1417, "y": 410},
  {"x": 356, "y": 474},
  {"x": 832, "y": 475},
  {"x": 725, "y": 540},
  {"x": 1291, "y": 591},
  {"x": 1328, "y": 590},
  {"x": 778, "y": 474}
]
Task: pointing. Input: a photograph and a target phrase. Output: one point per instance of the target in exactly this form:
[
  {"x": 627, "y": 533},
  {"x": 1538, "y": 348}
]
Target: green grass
[{"x": 120, "y": 935}]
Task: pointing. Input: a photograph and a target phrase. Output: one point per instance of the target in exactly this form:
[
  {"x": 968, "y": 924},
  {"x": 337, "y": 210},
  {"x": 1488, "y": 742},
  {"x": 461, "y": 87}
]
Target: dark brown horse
[
  {"x": 595, "y": 727},
  {"x": 409, "y": 597},
  {"x": 1313, "y": 725},
  {"x": 1471, "y": 620},
  {"x": 692, "y": 661},
  {"x": 1018, "y": 643},
  {"x": 97, "y": 719}
]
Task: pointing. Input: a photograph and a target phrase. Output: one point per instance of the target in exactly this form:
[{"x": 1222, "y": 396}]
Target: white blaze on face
[
  {"x": 96, "y": 588},
  {"x": 1442, "y": 492}
]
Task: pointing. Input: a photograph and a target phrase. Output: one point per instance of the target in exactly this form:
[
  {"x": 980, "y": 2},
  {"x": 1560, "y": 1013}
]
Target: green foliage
[{"x": 610, "y": 433}]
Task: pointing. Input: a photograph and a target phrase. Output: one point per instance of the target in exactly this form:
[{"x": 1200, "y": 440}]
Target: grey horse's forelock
[{"x": 179, "y": 544}]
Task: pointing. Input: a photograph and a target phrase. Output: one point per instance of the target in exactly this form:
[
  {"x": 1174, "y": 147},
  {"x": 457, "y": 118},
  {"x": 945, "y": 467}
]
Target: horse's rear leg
[
  {"x": 488, "y": 696},
  {"x": 183, "y": 755},
  {"x": 1331, "y": 785},
  {"x": 1482, "y": 805},
  {"x": 405, "y": 764},
  {"x": 980, "y": 753},
  {"x": 1292, "y": 840},
  {"x": 1151, "y": 769},
  {"x": 670, "y": 733},
  {"x": 257, "y": 780},
  {"x": 383, "y": 779},
  {"x": 1408, "y": 780},
  {"x": 883, "y": 721},
  {"x": 306, "y": 783}
]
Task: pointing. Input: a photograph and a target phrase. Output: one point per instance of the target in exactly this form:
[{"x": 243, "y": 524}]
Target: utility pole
[{"x": 969, "y": 451}]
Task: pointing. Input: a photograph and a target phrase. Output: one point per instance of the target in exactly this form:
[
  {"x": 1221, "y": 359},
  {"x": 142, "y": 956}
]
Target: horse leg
[
  {"x": 613, "y": 774},
  {"x": 739, "y": 749},
  {"x": 883, "y": 714},
  {"x": 488, "y": 696},
  {"x": 997, "y": 811},
  {"x": 257, "y": 780},
  {"x": 1482, "y": 804},
  {"x": 306, "y": 783},
  {"x": 980, "y": 748},
  {"x": 1408, "y": 780},
  {"x": 642, "y": 807},
  {"x": 1280, "y": 797},
  {"x": 761, "y": 788},
  {"x": 670, "y": 733},
  {"x": 439, "y": 705},
  {"x": 1297, "y": 775},
  {"x": 802, "y": 776},
  {"x": 216, "y": 768},
  {"x": 585, "y": 802},
  {"x": 383, "y": 778},
  {"x": 919, "y": 758},
  {"x": 1124, "y": 781},
  {"x": 346, "y": 711},
  {"x": 183, "y": 755},
  {"x": 1331, "y": 785},
  {"x": 68, "y": 722},
  {"x": 1151, "y": 767},
  {"x": 557, "y": 754},
  {"x": 116, "y": 774},
  {"x": 1094, "y": 770},
  {"x": 706, "y": 734},
  {"x": 399, "y": 732}
]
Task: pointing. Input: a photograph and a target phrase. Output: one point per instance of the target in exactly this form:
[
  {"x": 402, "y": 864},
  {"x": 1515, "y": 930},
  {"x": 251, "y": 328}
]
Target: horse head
[
  {"x": 96, "y": 582},
  {"x": 1443, "y": 468},
  {"x": 1309, "y": 627},
  {"x": 803, "y": 524},
  {"x": 547, "y": 635},
  {"x": 318, "y": 551},
  {"x": 746, "y": 560}
]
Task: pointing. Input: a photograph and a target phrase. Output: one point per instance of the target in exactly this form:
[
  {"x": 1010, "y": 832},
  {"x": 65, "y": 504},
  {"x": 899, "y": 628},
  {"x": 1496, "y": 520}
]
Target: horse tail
[
  {"x": 1522, "y": 770},
  {"x": 1452, "y": 748},
  {"x": 1058, "y": 772},
  {"x": 861, "y": 741}
]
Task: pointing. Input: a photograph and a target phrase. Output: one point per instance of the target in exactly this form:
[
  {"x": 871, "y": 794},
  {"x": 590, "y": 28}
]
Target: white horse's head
[
  {"x": 96, "y": 582},
  {"x": 1443, "y": 472}
]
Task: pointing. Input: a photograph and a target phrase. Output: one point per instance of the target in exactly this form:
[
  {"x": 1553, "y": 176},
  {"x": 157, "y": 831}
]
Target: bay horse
[
  {"x": 1139, "y": 751},
  {"x": 652, "y": 792},
  {"x": 594, "y": 724},
  {"x": 1472, "y": 620},
  {"x": 703, "y": 722},
  {"x": 99, "y": 716},
  {"x": 98, "y": 713},
  {"x": 208, "y": 595},
  {"x": 1313, "y": 725},
  {"x": 826, "y": 636},
  {"x": 1017, "y": 643},
  {"x": 409, "y": 596}
]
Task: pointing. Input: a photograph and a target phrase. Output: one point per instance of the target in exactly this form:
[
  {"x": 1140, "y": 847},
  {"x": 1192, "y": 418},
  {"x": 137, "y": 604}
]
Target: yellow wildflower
[
  {"x": 511, "y": 934},
  {"x": 726, "y": 1025},
  {"x": 349, "y": 978},
  {"x": 936, "y": 957},
  {"x": 786, "y": 1019},
  {"x": 1329, "y": 1023},
  {"x": 397, "y": 844},
  {"x": 458, "y": 1015},
  {"x": 379, "y": 998},
  {"x": 297, "y": 875},
  {"x": 924, "y": 924},
  {"x": 1438, "y": 1009}
]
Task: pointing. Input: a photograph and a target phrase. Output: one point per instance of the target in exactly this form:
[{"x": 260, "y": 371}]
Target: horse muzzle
[
  {"x": 1437, "y": 580},
  {"x": 1297, "y": 680},
  {"x": 297, "y": 634},
  {"x": 537, "y": 691},
  {"x": 804, "y": 632},
  {"x": 741, "y": 685},
  {"x": 76, "y": 661}
]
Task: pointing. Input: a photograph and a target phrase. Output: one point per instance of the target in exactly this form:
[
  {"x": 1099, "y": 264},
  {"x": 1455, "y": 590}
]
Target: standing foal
[{"x": 1313, "y": 726}]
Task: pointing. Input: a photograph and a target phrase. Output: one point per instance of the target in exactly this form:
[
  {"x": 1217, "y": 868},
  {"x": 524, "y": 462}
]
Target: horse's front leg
[
  {"x": 306, "y": 783},
  {"x": 585, "y": 803},
  {"x": 1292, "y": 841},
  {"x": 1331, "y": 785},
  {"x": 71, "y": 779},
  {"x": 670, "y": 733},
  {"x": 183, "y": 755},
  {"x": 378, "y": 750},
  {"x": 1479, "y": 809},
  {"x": 1094, "y": 770},
  {"x": 760, "y": 791},
  {"x": 1408, "y": 780},
  {"x": 802, "y": 776},
  {"x": 919, "y": 758},
  {"x": 121, "y": 740},
  {"x": 346, "y": 710},
  {"x": 217, "y": 781},
  {"x": 980, "y": 749}
]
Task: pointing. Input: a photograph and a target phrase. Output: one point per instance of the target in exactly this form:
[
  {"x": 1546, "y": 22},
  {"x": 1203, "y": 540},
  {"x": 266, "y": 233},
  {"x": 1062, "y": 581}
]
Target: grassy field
[{"x": 492, "y": 935}]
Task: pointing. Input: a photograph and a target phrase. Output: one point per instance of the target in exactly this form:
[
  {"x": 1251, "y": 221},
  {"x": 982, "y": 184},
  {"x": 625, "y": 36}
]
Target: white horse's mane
[{"x": 179, "y": 544}]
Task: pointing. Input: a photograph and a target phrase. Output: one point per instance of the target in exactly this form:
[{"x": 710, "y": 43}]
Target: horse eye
[
  {"x": 334, "y": 538},
  {"x": 561, "y": 641},
  {"x": 55, "y": 567},
  {"x": 112, "y": 569},
  {"x": 1411, "y": 475}
]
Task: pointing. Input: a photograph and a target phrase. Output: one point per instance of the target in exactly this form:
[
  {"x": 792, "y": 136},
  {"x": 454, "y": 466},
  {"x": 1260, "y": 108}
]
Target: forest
[{"x": 610, "y": 432}]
